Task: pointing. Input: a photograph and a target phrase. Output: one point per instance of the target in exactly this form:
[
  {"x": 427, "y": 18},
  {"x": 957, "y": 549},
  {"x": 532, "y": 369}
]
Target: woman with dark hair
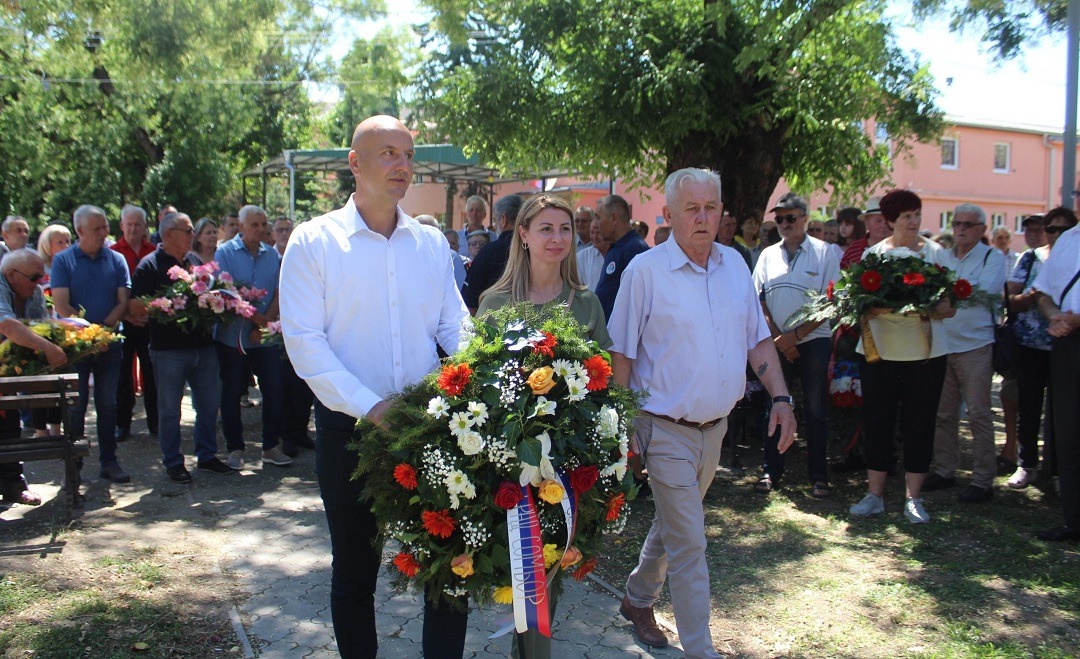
[
  {"x": 907, "y": 379},
  {"x": 1032, "y": 333},
  {"x": 204, "y": 240},
  {"x": 851, "y": 226},
  {"x": 747, "y": 231}
]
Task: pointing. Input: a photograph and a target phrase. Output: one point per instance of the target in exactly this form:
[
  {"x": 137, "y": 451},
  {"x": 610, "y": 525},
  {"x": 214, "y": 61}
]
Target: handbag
[{"x": 1006, "y": 357}]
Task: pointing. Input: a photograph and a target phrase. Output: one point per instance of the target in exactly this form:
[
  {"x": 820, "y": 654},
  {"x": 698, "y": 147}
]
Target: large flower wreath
[{"x": 490, "y": 460}]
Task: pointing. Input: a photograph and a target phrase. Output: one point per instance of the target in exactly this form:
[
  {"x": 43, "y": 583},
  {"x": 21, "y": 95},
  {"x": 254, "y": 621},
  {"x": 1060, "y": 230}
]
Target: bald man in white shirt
[
  {"x": 685, "y": 320},
  {"x": 356, "y": 350}
]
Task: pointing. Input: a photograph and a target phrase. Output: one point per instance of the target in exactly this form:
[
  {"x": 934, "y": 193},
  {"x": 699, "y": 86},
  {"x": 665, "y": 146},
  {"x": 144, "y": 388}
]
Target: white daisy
[
  {"x": 438, "y": 407},
  {"x": 460, "y": 423},
  {"x": 479, "y": 412},
  {"x": 563, "y": 367},
  {"x": 577, "y": 388}
]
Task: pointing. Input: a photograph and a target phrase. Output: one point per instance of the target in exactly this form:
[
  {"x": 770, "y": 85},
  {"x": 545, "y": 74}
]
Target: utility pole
[{"x": 1068, "y": 168}]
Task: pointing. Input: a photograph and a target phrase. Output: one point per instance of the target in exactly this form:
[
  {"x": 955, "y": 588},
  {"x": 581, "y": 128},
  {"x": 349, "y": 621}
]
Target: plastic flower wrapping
[
  {"x": 897, "y": 279},
  {"x": 504, "y": 466},
  {"x": 845, "y": 387},
  {"x": 198, "y": 299},
  {"x": 78, "y": 339}
]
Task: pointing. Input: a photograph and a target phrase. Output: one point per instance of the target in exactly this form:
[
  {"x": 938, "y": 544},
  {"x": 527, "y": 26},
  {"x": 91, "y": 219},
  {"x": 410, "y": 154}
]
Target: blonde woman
[
  {"x": 54, "y": 239},
  {"x": 542, "y": 267},
  {"x": 204, "y": 241}
]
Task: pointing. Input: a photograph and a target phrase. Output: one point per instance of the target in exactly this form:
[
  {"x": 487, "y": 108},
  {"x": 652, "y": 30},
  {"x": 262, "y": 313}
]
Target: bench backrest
[{"x": 39, "y": 391}]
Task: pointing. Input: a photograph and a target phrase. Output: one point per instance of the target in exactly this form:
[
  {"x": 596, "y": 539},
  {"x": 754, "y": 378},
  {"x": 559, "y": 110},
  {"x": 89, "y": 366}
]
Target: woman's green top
[{"x": 586, "y": 310}]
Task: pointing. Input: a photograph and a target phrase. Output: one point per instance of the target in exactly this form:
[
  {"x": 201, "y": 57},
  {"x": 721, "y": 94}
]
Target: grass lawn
[{"x": 794, "y": 576}]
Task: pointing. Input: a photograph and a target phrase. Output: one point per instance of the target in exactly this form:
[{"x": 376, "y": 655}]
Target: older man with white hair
[
  {"x": 252, "y": 264},
  {"x": 92, "y": 281},
  {"x": 15, "y": 232},
  {"x": 701, "y": 292},
  {"x": 970, "y": 369}
]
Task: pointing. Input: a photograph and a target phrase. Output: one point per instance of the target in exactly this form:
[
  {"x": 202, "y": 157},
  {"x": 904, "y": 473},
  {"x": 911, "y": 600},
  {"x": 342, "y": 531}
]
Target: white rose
[
  {"x": 470, "y": 442},
  {"x": 608, "y": 422}
]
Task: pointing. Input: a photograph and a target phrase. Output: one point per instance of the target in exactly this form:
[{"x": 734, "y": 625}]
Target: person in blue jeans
[
  {"x": 92, "y": 281},
  {"x": 180, "y": 356},
  {"x": 252, "y": 264},
  {"x": 782, "y": 276}
]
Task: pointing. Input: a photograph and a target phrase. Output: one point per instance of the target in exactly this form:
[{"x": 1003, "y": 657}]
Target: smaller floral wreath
[{"x": 526, "y": 412}]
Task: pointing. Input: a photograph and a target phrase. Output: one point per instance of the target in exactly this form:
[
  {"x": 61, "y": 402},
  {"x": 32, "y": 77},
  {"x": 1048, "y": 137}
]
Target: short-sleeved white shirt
[
  {"x": 784, "y": 281},
  {"x": 1060, "y": 268},
  {"x": 687, "y": 330}
]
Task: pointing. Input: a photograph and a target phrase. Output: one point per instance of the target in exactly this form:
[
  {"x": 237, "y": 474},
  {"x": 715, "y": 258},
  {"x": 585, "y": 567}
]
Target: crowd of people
[{"x": 689, "y": 319}]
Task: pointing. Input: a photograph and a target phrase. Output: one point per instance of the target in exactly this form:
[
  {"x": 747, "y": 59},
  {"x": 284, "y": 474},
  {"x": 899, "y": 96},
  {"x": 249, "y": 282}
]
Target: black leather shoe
[
  {"x": 122, "y": 434},
  {"x": 1059, "y": 534},
  {"x": 935, "y": 482},
  {"x": 179, "y": 474},
  {"x": 975, "y": 494},
  {"x": 115, "y": 473}
]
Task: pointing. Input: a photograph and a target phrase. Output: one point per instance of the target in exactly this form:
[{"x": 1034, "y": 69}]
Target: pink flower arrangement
[{"x": 198, "y": 298}]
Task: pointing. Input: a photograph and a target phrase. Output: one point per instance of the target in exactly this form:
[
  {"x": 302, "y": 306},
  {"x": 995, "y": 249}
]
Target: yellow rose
[
  {"x": 504, "y": 595},
  {"x": 571, "y": 557},
  {"x": 551, "y": 554},
  {"x": 551, "y": 491},
  {"x": 462, "y": 566},
  {"x": 542, "y": 380}
]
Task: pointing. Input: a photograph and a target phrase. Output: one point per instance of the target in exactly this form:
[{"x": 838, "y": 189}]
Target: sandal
[
  {"x": 766, "y": 484},
  {"x": 820, "y": 490}
]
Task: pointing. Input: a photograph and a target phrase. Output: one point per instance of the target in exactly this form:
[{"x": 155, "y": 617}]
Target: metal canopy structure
[{"x": 433, "y": 163}]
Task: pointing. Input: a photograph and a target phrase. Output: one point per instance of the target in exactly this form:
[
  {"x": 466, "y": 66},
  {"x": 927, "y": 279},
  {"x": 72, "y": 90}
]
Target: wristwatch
[{"x": 784, "y": 399}]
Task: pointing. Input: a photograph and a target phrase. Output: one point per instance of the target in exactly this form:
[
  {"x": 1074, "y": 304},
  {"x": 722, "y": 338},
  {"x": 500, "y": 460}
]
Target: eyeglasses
[
  {"x": 34, "y": 278},
  {"x": 790, "y": 219},
  {"x": 966, "y": 225},
  {"x": 1055, "y": 228}
]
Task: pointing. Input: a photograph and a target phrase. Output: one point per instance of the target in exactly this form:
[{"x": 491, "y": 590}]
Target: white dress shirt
[
  {"x": 687, "y": 330},
  {"x": 973, "y": 326},
  {"x": 1059, "y": 270},
  {"x": 784, "y": 280},
  {"x": 361, "y": 314},
  {"x": 590, "y": 265}
]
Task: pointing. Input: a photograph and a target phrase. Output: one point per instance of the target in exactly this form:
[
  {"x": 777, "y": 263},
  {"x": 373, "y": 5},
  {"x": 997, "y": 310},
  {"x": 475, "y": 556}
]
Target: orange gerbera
[
  {"x": 584, "y": 569},
  {"x": 614, "y": 506},
  {"x": 545, "y": 345},
  {"x": 599, "y": 372},
  {"x": 438, "y": 523},
  {"x": 405, "y": 475},
  {"x": 454, "y": 378},
  {"x": 406, "y": 564}
]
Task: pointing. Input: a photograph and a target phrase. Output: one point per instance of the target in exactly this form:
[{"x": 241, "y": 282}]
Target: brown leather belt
[{"x": 707, "y": 425}]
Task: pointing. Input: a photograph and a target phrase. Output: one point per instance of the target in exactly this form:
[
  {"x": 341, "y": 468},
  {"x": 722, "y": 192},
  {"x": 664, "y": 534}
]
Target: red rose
[
  {"x": 405, "y": 475},
  {"x": 583, "y": 478},
  {"x": 438, "y": 523},
  {"x": 871, "y": 280},
  {"x": 406, "y": 564},
  {"x": 545, "y": 345},
  {"x": 962, "y": 289},
  {"x": 599, "y": 371},
  {"x": 914, "y": 279},
  {"x": 831, "y": 290},
  {"x": 507, "y": 495},
  {"x": 584, "y": 569},
  {"x": 454, "y": 378}
]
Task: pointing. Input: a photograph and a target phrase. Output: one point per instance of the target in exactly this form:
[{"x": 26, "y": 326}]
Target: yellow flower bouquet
[{"x": 76, "y": 337}]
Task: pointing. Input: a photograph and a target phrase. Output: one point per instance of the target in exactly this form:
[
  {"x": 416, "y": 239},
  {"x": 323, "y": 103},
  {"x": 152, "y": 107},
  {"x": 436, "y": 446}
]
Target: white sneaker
[
  {"x": 914, "y": 511},
  {"x": 871, "y": 504},
  {"x": 1022, "y": 478},
  {"x": 235, "y": 459},
  {"x": 276, "y": 456}
]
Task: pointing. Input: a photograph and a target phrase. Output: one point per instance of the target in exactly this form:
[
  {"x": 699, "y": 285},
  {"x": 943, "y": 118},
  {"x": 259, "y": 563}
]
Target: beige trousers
[{"x": 968, "y": 378}]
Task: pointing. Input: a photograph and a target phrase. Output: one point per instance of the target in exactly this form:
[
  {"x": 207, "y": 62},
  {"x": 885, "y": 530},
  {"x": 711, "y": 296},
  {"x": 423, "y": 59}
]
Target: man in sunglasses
[
  {"x": 90, "y": 280},
  {"x": 970, "y": 369},
  {"x": 21, "y": 297}
]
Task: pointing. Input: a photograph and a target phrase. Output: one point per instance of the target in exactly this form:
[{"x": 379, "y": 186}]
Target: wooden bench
[{"x": 46, "y": 392}]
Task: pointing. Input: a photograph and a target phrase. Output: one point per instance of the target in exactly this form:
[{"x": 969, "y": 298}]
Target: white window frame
[
  {"x": 956, "y": 153},
  {"x": 946, "y": 220},
  {"x": 997, "y": 220},
  {"x": 1008, "y": 158},
  {"x": 881, "y": 133}
]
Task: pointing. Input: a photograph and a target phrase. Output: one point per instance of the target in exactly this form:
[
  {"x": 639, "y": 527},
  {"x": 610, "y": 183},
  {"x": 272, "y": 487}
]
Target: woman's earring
[{"x": 525, "y": 246}]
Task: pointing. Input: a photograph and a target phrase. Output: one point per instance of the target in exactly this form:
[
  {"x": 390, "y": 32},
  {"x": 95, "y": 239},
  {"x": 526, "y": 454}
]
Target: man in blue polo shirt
[
  {"x": 252, "y": 264},
  {"x": 91, "y": 280},
  {"x": 613, "y": 214}
]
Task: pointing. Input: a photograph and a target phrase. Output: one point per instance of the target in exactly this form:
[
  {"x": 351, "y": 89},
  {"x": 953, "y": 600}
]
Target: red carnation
[
  {"x": 545, "y": 345},
  {"x": 583, "y": 478},
  {"x": 962, "y": 289},
  {"x": 584, "y": 569},
  {"x": 871, "y": 280},
  {"x": 438, "y": 523},
  {"x": 599, "y": 371},
  {"x": 406, "y": 564},
  {"x": 507, "y": 495},
  {"x": 454, "y": 378},
  {"x": 914, "y": 279},
  {"x": 405, "y": 475},
  {"x": 614, "y": 506},
  {"x": 831, "y": 290}
]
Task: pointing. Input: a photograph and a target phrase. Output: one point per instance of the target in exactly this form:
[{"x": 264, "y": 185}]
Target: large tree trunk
[{"x": 750, "y": 166}]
